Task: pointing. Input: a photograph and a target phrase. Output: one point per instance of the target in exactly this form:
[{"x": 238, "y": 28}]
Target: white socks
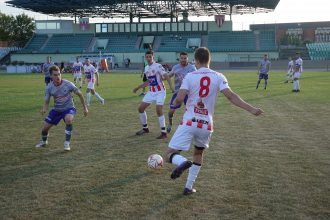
[
  {"x": 177, "y": 159},
  {"x": 98, "y": 96},
  {"x": 88, "y": 98},
  {"x": 192, "y": 176},
  {"x": 143, "y": 118},
  {"x": 161, "y": 120}
]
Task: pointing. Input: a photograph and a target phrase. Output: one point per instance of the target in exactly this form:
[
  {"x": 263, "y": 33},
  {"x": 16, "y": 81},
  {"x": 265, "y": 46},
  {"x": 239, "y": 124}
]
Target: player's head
[
  {"x": 149, "y": 55},
  {"x": 77, "y": 59},
  {"x": 202, "y": 57},
  {"x": 290, "y": 58},
  {"x": 183, "y": 58},
  {"x": 265, "y": 56},
  {"x": 49, "y": 59},
  {"x": 297, "y": 55},
  {"x": 55, "y": 73},
  {"x": 87, "y": 61}
]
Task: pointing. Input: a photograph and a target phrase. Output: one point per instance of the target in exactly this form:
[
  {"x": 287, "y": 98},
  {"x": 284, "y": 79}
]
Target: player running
[
  {"x": 202, "y": 88},
  {"x": 92, "y": 77},
  {"x": 298, "y": 68},
  {"x": 179, "y": 71},
  {"x": 155, "y": 73},
  {"x": 77, "y": 67},
  {"x": 61, "y": 90}
]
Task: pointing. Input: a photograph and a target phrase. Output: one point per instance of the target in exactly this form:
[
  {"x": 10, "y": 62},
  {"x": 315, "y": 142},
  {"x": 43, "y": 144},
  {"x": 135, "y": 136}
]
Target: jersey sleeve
[
  {"x": 223, "y": 83},
  {"x": 72, "y": 87},
  {"x": 161, "y": 70},
  {"x": 185, "y": 82}
]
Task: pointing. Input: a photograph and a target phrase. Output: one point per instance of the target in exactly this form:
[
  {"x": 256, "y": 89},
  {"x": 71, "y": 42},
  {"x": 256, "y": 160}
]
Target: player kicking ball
[
  {"x": 61, "y": 90},
  {"x": 202, "y": 87}
]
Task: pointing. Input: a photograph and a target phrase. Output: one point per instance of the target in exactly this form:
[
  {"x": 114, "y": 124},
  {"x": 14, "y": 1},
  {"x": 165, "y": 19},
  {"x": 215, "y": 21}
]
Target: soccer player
[
  {"x": 155, "y": 73},
  {"x": 296, "y": 76},
  {"x": 290, "y": 70},
  {"x": 263, "y": 69},
  {"x": 179, "y": 71},
  {"x": 202, "y": 88},
  {"x": 92, "y": 77},
  {"x": 45, "y": 69},
  {"x": 61, "y": 90},
  {"x": 77, "y": 67}
]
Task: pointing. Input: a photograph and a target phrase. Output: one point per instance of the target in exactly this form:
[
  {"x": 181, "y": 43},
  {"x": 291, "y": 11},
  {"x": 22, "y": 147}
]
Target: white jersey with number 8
[{"x": 203, "y": 88}]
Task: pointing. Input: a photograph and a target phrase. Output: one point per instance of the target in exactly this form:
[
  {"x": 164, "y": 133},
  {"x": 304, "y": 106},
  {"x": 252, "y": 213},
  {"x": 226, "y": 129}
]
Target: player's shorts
[
  {"x": 263, "y": 76},
  {"x": 144, "y": 78},
  {"x": 48, "y": 79},
  {"x": 177, "y": 106},
  {"x": 77, "y": 75},
  {"x": 54, "y": 117},
  {"x": 157, "y": 97},
  {"x": 184, "y": 135},
  {"x": 90, "y": 85},
  {"x": 296, "y": 75}
]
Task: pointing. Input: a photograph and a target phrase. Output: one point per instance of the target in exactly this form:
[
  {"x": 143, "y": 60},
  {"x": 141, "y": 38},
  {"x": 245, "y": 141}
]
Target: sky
[{"x": 287, "y": 11}]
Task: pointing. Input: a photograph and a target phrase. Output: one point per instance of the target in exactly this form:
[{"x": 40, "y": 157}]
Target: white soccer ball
[{"x": 155, "y": 161}]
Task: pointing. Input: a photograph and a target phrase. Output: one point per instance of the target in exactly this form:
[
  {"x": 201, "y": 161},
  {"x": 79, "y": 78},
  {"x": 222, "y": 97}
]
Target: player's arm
[
  {"x": 82, "y": 101},
  {"x": 45, "y": 107},
  {"x": 180, "y": 97},
  {"x": 236, "y": 100},
  {"x": 168, "y": 79},
  {"x": 143, "y": 85}
]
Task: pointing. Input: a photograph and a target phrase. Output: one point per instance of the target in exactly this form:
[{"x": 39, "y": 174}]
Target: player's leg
[
  {"x": 181, "y": 140},
  {"x": 74, "y": 79},
  {"x": 160, "y": 99},
  {"x": 44, "y": 135},
  {"x": 98, "y": 96},
  {"x": 202, "y": 140},
  {"x": 88, "y": 95},
  {"x": 171, "y": 113},
  {"x": 260, "y": 78},
  {"x": 68, "y": 119},
  {"x": 143, "y": 118},
  {"x": 266, "y": 80}
]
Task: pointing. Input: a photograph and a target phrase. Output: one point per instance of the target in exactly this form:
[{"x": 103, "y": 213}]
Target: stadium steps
[
  {"x": 45, "y": 43},
  {"x": 257, "y": 40},
  {"x": 204, "y": 41},
  {"x": 156, "y": 44},
  {"x": 91, "y": 46},
  {"x": 138, "y": 42}
]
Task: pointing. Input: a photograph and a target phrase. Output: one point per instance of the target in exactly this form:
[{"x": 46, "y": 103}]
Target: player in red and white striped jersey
[
  {"x": 155, "y": 74},
  {"x": 202, "y": 87}
]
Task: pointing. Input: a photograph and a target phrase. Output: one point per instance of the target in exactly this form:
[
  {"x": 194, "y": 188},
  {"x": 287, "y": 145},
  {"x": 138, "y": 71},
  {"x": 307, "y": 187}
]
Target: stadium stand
[
  {"x": 118, "y": 43},
  {"x": 267, "y": 41},
  {"x": 177, "y": 42},
  {"x": 319, "y": 51},
  {"x": 231, "y": 41},
  {"x": 35, "y": 44},
  {"x": 67, "y": 43}
]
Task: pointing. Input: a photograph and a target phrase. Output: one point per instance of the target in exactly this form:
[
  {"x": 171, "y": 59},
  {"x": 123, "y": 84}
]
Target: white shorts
[
  {"x": 90, "y": 85},
  {"x": 77, "y": 75},
  {"x": 297, "y": 75},
  {"x": 184, "y": 135},
  {"x": 158, "y": 97}
]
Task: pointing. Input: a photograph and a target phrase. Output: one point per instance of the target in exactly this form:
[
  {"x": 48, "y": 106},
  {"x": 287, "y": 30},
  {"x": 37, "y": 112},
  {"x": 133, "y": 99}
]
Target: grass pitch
[{"x": 276, "y": 166}]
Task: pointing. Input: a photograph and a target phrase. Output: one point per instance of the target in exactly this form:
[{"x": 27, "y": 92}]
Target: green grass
[{"x": 276, "y": 166}]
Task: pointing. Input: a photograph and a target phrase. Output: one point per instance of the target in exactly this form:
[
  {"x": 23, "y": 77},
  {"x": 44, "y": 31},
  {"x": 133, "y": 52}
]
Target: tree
[
  {"x": 23, "y": 29},
  {"x": 16, "y": 30}
]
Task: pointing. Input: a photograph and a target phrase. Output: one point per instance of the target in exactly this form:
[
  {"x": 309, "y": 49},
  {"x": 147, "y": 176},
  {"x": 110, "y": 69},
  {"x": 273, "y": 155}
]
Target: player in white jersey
[
  {"x": 202, "y": 88},
  {"x": 179, "y": 71},
  {"x": 77, "y": 68},
  {"x": 298, "y": 68},
  {"x": 155, "y": 74},
  {"x": 263, "y": 69},
  {"x": 289, "y": 74},
  {"x": 91, "y": 76},
  {"x": 64, "y": 108}
]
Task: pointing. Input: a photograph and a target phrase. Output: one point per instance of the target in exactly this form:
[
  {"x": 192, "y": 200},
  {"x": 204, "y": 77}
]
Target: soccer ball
[{"x": 155, "y": 161}]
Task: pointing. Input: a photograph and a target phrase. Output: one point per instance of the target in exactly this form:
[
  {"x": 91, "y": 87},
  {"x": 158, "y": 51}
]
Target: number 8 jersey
[{"x": 203, "y": 88}]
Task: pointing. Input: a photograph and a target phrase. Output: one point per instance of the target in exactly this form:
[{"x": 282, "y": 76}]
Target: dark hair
[
  {"x": 202, "y": 54},
  {"x": 149, "y": 52},
  {"x": 53, "y": 68},
  {"x": 183, "y": 53}
]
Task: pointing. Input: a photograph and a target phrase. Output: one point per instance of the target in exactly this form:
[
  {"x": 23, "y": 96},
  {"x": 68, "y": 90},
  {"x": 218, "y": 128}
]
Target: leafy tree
[{"x": 16, "y": 30}]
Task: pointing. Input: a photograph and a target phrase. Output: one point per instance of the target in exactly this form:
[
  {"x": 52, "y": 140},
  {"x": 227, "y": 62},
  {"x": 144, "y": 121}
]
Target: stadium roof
[{"x": 144, "y": 9}]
